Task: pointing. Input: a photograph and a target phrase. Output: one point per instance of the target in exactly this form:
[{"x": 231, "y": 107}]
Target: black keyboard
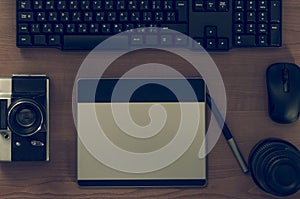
[{"x": 82, "y": 24}]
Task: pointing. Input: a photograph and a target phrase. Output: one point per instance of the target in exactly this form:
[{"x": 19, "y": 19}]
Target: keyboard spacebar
[{"x": 82, "y": 42}]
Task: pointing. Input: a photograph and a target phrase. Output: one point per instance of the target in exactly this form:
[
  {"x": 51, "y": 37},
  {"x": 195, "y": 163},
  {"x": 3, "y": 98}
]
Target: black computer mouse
[{"x": 283, "y": 84}]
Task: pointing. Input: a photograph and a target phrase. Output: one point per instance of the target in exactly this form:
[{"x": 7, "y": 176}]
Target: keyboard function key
[
  {"x": 24, "y": 40},
  {"x": 54, "y": 40}
]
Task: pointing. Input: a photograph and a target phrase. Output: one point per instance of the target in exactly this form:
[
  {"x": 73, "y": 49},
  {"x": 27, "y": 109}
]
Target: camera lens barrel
[
  {"x": 25, "y": 117},
  {"x": 275, "y": 166}
]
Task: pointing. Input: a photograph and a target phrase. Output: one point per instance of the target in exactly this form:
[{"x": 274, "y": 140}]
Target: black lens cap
[{"x": 275, "y": 166}]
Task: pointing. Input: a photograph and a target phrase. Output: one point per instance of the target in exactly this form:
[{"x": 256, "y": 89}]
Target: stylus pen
[{"x": 227, "y": 134}]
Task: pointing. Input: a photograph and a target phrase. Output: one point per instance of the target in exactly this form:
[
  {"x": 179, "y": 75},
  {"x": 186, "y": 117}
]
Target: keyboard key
[
  {"x": 263, "y": 40},
  {"x": 54, "y": 40},
  {"x": 223, "y": 44},
  {"x": 35, "y": 28},
  {"x": 24, "y": 5},
  {"x": 250, "y": 5},
  {"x": 97, "y": 4},
  {"x": 38, "y": 5},
  {"x": 211, "y": 44},
  {"x": 181, "y": 40},
  {"x": 144, "y": 5},
  {"x": 183, "y": 28},
  {"x": 223, "y": 6},
  {"x": 121, "y": 5},
  {"x": 39, "y": 40},
  {"x": 239, "y": 28},
  {"x": 166, "y": 40},
  {"x": 137, "y": 40},
  {"x": 70, "y": 28},
  {"x": 61, "y": 5},
  {"x": 275, "y": 35},
  {"x": 250, "y": 29},
  {"x": 245, "y": 40},
  {"x": 263, "y": 5},
  {"x": 199, "y": 6},
  {"x": 25, "y": 16},
  {"x": 58, "y": 28},
  {"x": 47, "y": 28},
  {"x": 23, "y": 28},
  {"x": 251, "y": 17},
  {"x": 41, "y": 16},
  {"x": 275, "y": 8},
  {"x": 239, "y": 5},
  {"x": 151, "y": 40},
  {"x": 239, "y": 17},
  {"x": 109, "y": 5},
  {"x": 211, "y": 5},
  {"x": 49, "y": 5},
  {"x": 182, "y": 9},
  {"x": 211, "y": 31},
  {"x": 263, "y": 17},
  {"x": 80, "y": 42},
  {"x": 24, "y": 40},
  {"x": 262, "y": 29}
]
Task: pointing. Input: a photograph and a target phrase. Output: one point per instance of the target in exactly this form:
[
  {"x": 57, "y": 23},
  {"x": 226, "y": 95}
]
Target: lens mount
[{"x": 25, "y": 117}]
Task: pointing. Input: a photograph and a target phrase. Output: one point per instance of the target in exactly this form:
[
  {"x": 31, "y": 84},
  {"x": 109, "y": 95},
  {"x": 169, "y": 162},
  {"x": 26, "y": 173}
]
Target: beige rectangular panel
[{"x": 187, "y": 167}]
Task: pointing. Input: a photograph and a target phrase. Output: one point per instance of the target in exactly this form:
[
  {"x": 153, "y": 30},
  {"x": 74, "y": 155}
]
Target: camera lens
[
  {"x": 275, "y": 166},
  {"x": 25, "y": 117}
]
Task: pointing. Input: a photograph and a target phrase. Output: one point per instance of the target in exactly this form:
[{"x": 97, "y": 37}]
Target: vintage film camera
[{"x": 24, "y": 118}]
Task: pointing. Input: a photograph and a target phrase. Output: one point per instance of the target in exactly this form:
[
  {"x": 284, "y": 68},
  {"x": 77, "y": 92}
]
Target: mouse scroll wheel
[{"x": 285, "y": 80}]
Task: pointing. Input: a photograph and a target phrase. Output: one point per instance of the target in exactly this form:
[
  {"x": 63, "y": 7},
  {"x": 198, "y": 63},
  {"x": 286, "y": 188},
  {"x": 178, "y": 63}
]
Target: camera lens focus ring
[
  {"x": 275, "y": 166},
  {"x": 25, "y": 117}
]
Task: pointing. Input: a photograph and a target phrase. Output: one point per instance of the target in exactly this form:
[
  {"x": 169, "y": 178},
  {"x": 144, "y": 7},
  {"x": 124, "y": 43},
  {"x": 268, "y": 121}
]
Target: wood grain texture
[{"x": 243, "y": 71}]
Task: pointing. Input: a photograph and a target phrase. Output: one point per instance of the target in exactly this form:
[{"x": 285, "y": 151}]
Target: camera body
[{"x": 24, "y": 118}]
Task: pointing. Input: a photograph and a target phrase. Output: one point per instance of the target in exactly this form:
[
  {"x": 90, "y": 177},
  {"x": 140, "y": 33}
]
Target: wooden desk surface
[{"x": 243, "y": 71}]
